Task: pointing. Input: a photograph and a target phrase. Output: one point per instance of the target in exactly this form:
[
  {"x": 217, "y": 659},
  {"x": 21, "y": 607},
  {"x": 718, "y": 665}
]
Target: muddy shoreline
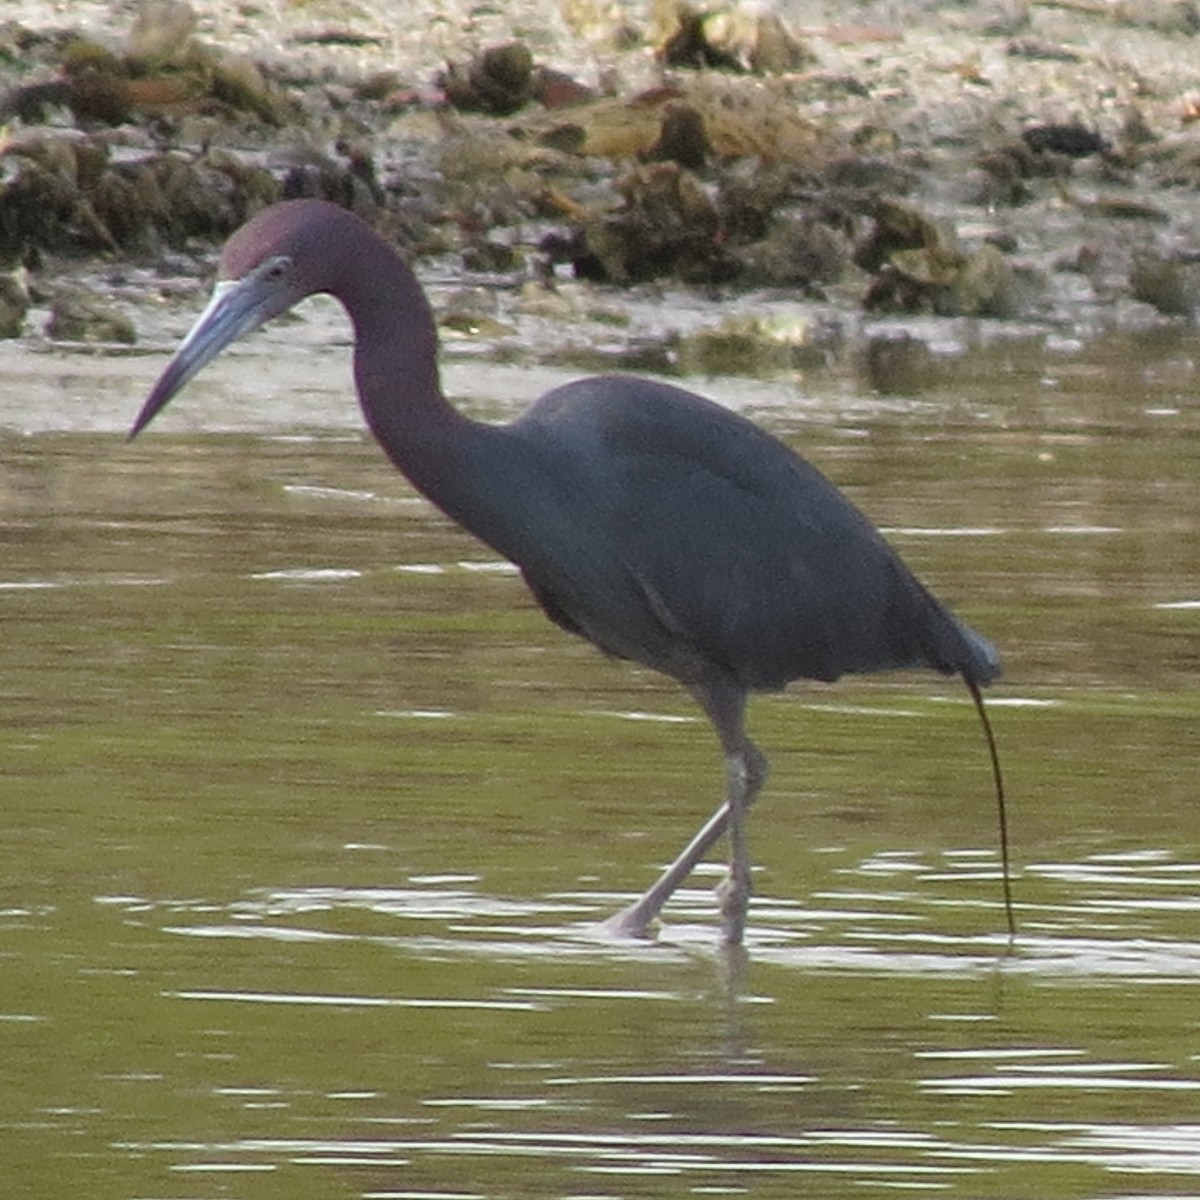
[{"x": 904, "y": 183}]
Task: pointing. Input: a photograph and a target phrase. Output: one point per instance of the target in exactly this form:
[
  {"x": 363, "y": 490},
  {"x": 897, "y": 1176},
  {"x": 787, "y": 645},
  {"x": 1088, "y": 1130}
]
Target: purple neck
[{"x": 396, "y": 371}]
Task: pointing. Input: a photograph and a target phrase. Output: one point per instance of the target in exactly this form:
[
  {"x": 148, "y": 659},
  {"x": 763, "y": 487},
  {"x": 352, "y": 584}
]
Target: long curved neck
[{"x": 396, "y": 371}]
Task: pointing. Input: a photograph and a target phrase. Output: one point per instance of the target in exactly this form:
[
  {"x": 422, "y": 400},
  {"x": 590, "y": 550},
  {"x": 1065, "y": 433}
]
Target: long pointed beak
[{"x": 236, "y": 307}]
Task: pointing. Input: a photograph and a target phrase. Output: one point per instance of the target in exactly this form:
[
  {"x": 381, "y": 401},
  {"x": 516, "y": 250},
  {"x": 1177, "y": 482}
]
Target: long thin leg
[
  {"x": 735, "y": 892},
  {"x": 636, "y": 919},
  {"x": 745, "y": 774}
]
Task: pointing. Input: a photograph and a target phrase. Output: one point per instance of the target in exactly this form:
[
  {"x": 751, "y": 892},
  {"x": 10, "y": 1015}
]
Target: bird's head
[{"x": 272, "y": 262}]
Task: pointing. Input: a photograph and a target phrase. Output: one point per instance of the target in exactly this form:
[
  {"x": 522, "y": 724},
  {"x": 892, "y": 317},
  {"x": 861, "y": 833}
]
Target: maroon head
[{"x": 285, "y": 253}]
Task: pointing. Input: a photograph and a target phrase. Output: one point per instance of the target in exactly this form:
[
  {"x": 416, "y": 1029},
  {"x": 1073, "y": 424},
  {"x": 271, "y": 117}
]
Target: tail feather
[{"x": 982, "y": 666}]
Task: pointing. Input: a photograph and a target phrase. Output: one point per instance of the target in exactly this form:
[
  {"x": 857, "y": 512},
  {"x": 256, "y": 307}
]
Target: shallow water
[{"x": 308, "y": 816}]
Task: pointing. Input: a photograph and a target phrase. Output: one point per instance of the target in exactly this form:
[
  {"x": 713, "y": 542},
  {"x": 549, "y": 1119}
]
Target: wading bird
[{"x": 655, "y": 524}]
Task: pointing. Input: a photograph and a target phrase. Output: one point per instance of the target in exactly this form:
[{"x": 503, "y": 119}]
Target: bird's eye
[{"x": 276, "y": 269}]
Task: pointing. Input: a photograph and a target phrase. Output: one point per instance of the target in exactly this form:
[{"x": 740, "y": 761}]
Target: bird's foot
[{"x": 630, "y": 923}]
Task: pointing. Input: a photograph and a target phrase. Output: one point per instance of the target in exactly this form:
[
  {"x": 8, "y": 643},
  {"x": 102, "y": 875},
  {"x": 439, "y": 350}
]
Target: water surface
[{"x": 309, "y": 814}]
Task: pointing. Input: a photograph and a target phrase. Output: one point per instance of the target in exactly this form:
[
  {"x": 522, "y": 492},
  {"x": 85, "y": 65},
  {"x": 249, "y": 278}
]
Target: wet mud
[{"x": 1021, "y": 167}]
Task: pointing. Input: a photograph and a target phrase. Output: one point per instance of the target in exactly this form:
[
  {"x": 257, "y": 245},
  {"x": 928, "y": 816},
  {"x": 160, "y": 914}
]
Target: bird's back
[{"x": 673, "y": 532}]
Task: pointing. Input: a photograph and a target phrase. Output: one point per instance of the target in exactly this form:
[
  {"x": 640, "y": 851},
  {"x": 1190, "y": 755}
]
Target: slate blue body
[{"x": 670, "y": 531}]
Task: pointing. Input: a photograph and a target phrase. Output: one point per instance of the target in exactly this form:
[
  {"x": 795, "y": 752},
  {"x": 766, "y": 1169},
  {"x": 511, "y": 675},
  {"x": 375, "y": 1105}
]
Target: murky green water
[{"x": 307, "y": 814}]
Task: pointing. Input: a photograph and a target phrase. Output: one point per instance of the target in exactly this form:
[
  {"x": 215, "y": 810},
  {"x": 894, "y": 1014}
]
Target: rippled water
[{"x": 308, "y": 817}]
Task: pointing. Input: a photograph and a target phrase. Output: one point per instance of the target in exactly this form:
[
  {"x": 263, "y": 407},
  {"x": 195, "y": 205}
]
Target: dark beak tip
[
  {"x": 137, "y": 427},
  {"x": 155, "y": 403}
]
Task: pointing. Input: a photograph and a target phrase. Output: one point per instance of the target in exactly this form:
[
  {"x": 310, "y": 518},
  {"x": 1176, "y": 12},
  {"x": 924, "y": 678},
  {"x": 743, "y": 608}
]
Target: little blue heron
[{"x": 656, "y": 524}]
